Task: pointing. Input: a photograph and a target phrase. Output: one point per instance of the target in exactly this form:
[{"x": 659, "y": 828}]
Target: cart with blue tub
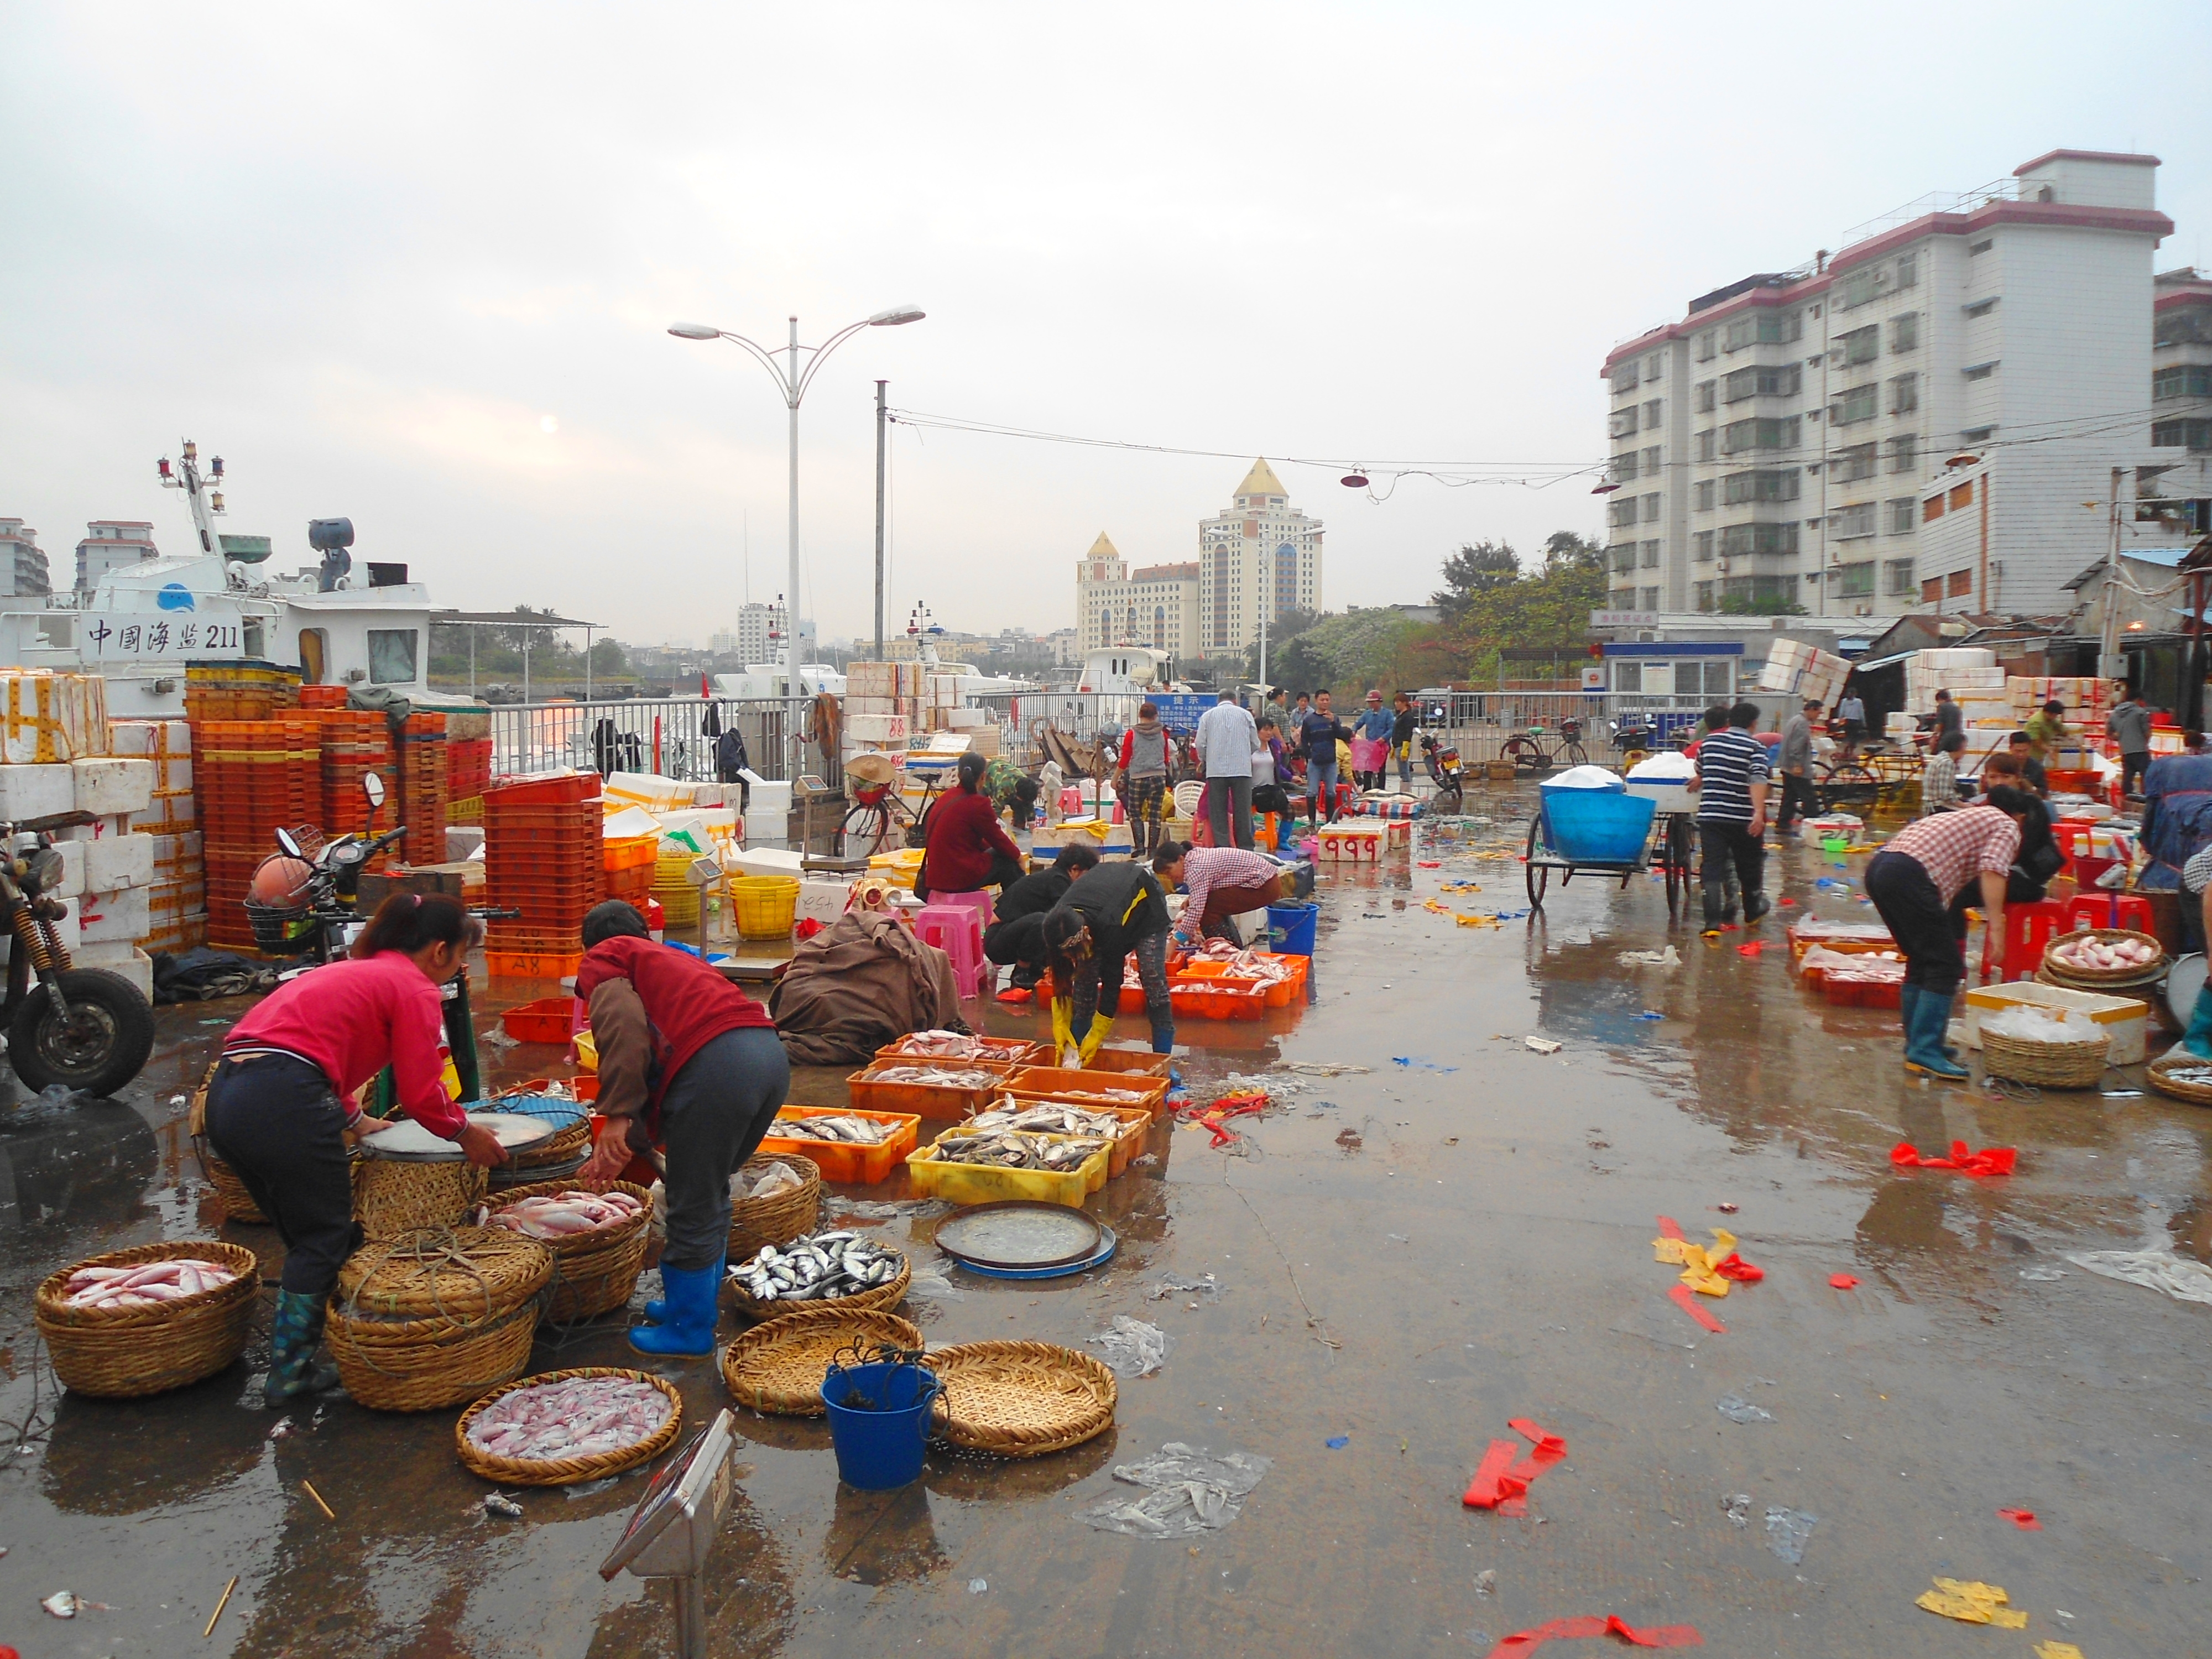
[{"x": 1622, "y": 831}]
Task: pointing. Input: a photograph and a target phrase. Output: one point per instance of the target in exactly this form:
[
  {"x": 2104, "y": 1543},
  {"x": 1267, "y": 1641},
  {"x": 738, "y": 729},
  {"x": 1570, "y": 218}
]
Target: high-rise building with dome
[{"x": 1258, "y": 556}]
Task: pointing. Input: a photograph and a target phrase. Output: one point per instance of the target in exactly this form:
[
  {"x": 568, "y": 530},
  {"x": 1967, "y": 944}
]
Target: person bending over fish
[
  {"x": 1116, "y": 911},
  {"x": 688, "y": 1060}
]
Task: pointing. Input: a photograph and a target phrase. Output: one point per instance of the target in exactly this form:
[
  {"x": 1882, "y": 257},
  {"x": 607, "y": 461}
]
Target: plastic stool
[
  {"x": 979, "y": 901},
  {"x": 2108, "y": 911},
  {"x": 2028, "y": 928},
  {"x": 956, "y": 930}
]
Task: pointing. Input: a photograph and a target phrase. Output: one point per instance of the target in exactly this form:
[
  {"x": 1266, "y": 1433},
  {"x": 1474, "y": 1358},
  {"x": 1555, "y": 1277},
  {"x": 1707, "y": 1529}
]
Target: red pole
[{"x": 656, "y": 745}]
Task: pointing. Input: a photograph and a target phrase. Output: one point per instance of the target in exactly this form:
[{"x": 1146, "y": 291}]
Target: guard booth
[{"x": 1671, "y": 681}]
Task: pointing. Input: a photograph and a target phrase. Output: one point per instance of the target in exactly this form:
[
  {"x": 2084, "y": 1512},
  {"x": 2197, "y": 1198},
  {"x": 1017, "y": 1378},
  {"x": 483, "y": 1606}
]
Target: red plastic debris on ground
[
  {"x": 1990, "y": 1161},
  {"x": 1750, "y": 949},
  {"x": 1669, "y": 1228},
  {"x": 1499, "y": 1482},
  {"x": 1685, "y": 1299},
  {"x": 1016, "y": 993},
  {"x": 1210, "y": 1118},
  {"x": 1733, "y": 1265},
  {"x": 1430, "y": 864},
  {"x": 1785, "y": 900},
  {"x": 2024, "y": 1519},
  {"x": 1586, "y": 1625},
  {"x": 1843, "y": 1281}
]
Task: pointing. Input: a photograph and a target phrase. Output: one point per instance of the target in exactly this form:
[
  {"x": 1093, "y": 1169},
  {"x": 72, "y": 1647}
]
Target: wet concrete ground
[{"x": 1409, "y": 1257}]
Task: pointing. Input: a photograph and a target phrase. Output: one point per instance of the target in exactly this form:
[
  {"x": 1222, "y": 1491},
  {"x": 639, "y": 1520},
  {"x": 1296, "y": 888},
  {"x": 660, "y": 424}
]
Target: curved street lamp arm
[
  {"x": 766, "y": 361},
  {"x": 806, "y": 379}
]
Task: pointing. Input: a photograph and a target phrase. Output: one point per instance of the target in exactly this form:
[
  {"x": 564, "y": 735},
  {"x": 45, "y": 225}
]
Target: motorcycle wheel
[{"x": 101, "y": 1045}]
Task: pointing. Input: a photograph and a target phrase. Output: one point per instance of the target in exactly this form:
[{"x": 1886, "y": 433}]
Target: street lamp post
[{"x": 792, "y": 381}]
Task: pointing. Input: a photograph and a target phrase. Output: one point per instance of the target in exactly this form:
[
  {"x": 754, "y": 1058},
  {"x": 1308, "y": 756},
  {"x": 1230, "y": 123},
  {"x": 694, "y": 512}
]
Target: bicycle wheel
[
  {"x": 1676, "y": 855},
  {"x": 1539, "y": 876},
  {"x": 1575, "y": 754},
  {"x": 1525, "y": 755},
  {"x": 862, "y": 833},
  {"x": 1848, "y": 784}
]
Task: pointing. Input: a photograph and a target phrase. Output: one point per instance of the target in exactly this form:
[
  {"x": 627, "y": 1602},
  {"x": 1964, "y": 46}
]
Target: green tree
[
  {"x": 1759, "y": 604},
  {"x": 1478, "y": 568},
  {"x": 609, "y": 658},
  {"x": 1549, "y": 607},
  {"x": 1280, "y": 632}
]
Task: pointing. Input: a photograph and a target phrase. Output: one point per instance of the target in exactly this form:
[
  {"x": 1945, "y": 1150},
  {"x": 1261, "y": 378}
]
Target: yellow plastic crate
[{"x": 985, "y": 1183}]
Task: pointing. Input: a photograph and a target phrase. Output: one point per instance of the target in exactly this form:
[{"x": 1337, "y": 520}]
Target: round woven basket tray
[
  {"x": 778, "y": 1220},
  {"x": 122, "y": 1353},
  {"x": 565, "y": 1145},
  {"x": 880, "y": 1298},
  {"x": 2159, "y": 1075},
  {"x": 779, "y": 1367},
  {"x": 446, "y": 1273},
  {"x": 567, "y": 1470},
  {"x": 230, "y": 1191},
  {"x": 1021, "y": 1399},
  {"x": 2092, "y": 978},
  {"x": 2046, "y": 1064},
  {"x": 392, "y": 1196},
  {"x": 593, "y": 1273}
]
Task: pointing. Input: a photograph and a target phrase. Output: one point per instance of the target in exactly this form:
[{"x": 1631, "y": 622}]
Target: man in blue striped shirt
[{"x": 1731, "y": 784}]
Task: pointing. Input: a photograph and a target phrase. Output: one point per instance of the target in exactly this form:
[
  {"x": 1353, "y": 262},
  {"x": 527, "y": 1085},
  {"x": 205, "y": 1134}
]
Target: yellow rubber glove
[{"x": 1099, "y": 1027}]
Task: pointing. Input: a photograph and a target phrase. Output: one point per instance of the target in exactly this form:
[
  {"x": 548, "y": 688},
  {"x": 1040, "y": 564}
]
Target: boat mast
[{"x": 202, "y": 493}]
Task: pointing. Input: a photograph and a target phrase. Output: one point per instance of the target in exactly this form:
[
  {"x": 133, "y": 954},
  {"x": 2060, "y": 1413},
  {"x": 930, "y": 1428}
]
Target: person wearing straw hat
[
  {"x": 280, "y": 1106},
  {"x": 689, "y": 1061}
]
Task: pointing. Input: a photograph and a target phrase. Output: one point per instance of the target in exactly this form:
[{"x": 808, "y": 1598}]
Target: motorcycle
[
  {"x": 83, "y": 1028},
  {"x": 1443, "y": 766}
]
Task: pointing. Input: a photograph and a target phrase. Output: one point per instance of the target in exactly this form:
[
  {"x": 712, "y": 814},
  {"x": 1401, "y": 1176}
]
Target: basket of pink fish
[
  {"x": 598, "y": 1240},
  {"x": 148, "y": 1319},
  {"x": 560, "y": 1427}
]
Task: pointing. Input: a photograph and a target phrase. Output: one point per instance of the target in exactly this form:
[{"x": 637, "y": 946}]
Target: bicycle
[
  {"x": 877, "y": 808},
  {"x": 1526, "y": 751}
]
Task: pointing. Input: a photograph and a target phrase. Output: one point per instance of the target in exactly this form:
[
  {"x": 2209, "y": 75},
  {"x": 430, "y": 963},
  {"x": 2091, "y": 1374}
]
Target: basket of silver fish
[
  {"x": 434, "y": 1317},
  {"x": 969, "y": 1166},
  {"x": 148, "y": 1319},
  {"x": 598, "y": 1240},
  {"x": 849, "y": 1269},
  {"x": 1125, "y": 1126},
  {"x": 772, "y": 1201},
  {"x": 560, "y": 1427},
  {"x": 2180, "y": 1073}
]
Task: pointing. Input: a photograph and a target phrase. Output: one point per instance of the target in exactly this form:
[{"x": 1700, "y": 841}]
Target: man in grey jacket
[
  {"x": 1225, "y": 741},
  {"x": 1795, "y": 763},
  {"x": 2128, "y": 726}
]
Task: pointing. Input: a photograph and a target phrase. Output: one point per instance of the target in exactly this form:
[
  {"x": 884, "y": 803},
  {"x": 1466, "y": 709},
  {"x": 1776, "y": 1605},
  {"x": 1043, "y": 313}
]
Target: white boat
[{"x": 340, "y": 624}]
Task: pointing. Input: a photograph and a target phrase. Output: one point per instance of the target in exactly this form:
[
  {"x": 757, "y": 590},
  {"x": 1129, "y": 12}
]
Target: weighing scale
[{"x": 672, "y": 1529}]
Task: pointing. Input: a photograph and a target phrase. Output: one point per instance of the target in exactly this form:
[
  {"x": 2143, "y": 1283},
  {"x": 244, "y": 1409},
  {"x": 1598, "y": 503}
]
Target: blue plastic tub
[
  {"x": 1596, "y": 826},
  {"x": 879, "y": 1444},
  {"x": 1291, "y": 928}
]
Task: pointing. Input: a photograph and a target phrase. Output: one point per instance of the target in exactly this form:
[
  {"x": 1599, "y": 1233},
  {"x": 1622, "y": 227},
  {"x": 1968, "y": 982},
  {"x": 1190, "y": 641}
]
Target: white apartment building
[
  {"x": 759, "y": 634},
  {"x": 1154, "y": 604},
  {"x": 1258, "y": 555},
  {"x": 22, "y": 564},
  {"x": 2181, "y": 395},
  {"x": 111, "y": 544},
  {"x": 1772, "y": 446}
]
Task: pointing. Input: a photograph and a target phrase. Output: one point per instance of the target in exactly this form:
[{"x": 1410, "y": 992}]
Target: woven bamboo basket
[
  {"x": 1021, "y": 1399},
  {"x": 2160, "y": 1074},
  {"x": 123, "y": 1353},
  {"x": 392, "y": 1196},
  {"x": 2093, "y": 978},
  {"x": 567, "y": 1471},
  {"x": 778, "y": 1220},
  {"x": 436, "y": 1317},
  {"x": 2046, "y": 1064},
  {"x": 593, "y": 1273},
  {"x": 779, "y": 1367},
  {"x": 881, "y": 1298},
  {"x": 230, "y": 1191},
  {"x": 565, "y": 1145}
]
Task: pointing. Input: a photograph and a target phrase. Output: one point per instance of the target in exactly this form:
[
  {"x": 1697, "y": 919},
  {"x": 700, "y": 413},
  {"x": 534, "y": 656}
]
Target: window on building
[
  {"x": 1701, "y": 547},
  {"x": 1959, "y": 584},
  {"x": 1783, "y": 380},
  {"x": 1622, "y": 422},
  {"x": 1852, "y": 523},
  {"x": 1705, "y": 346},
  {"x": 1651, "y": 368},
  {"x": 1981, "y": 307},
  {"x": 1763, "y": 328},
  {"x": 1931, "y": 590},
  {"x": 1982, "y": 247},
  {"x": 1651, "y": 509},
  {"x": 1977, "y": 434},
  {"x": 1759, "y": 589},
  {"x": 1705, "y": 441},
  {"x": 1898, "y": 514},
  {"x": 1904, "y": 394},
  {"x": 1962, "y": 496},
  {"x": 1908, "y": 270},
  {"x": 1651, "y": 557},
  {"x": 1861, "y": 287},
  {"x": 1858, "y": 402},
  {"x": 1651, "y": 462},
  {"x": 1624, "y": 555},
  {"x": 1703, "y": 500},
  {"x": 1650, "y": 598},
  {"x": 1701, "y": 399},
  {"x": 1740, "y": 538},
  {"x": 2182, "y": 380},
  {"x": 1624, "y": 467},
  {"x": 1932, "y": 508},
  {"x": 1905, "y": 332},
  {"x": 1898, "y": 576},
  {"x": 1851, "y": 464},
  {"x": 1622, "y": 598},
  {"x": 2181, "y": 434},
  {"x": 1704, "y": 592},
  {"x": 1621, "y": 512},
  {"x": 392, "y": 655},
  {"x": 1778, "y": 484},
  {"x": 1765, "y": 432},
  {"x": 1626, "y": 376},
  {"x": 1651, "y": 416},
  {"x": 1856, "y": 581},
  {"x": 1861, "y": 345}
]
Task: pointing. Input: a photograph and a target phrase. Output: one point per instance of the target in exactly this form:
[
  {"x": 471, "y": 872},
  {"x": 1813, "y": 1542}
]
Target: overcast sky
[{"x": 414, "y": 264}]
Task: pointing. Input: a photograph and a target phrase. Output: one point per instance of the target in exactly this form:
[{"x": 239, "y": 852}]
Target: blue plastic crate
[{"x": 1596, "y": 826}]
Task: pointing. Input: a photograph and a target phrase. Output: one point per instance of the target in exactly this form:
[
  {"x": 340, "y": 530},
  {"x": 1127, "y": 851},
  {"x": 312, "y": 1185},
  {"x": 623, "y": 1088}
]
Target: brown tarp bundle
[{"x": 857, "y": 984}]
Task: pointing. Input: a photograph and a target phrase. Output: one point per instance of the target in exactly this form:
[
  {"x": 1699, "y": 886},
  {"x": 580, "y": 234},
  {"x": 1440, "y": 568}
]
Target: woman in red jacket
[
  {"x": 965, "y": 848},
  {"x": 691, "y": 1063},
  {"x": 280, "y": 1106}
]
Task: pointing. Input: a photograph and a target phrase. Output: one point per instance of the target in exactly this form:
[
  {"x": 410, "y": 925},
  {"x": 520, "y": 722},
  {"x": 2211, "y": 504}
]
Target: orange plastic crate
[
  {"x": 548, "y": 1019},
  {"x": 1006, "y": 1052},
  {"x": 1219, "y": 999},
  {"x": 1136, "y": 1124},
  {"x": 846, "y": 1164},
  {"x": 1066, "y": 1082},
  {"x": 526, "y": 965},
  {"x": 920, "y": 1099},
  {"x": 1143, "y": 1062}
]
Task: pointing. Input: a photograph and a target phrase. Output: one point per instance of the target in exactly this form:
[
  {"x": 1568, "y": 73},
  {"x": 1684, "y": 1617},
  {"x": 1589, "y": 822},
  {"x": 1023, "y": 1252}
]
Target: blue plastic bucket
[
  {"x": 879, "y": 1445},
  {"x": 1291, "y": 928},
  {"x": 1596, "y": 826}
]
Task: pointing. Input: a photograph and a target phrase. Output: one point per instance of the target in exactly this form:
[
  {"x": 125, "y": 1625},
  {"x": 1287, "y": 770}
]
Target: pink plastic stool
[
  {"x": 2108, "y": 911},
  {"x": 956, "y": 930}
]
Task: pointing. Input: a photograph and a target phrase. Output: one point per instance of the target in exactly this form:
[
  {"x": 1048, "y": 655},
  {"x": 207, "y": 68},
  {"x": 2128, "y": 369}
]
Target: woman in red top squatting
[
  {"x": 280, "y": 1106},
  {"x": 966, "y": 847},
  {"x": 691, "y": 1062}
]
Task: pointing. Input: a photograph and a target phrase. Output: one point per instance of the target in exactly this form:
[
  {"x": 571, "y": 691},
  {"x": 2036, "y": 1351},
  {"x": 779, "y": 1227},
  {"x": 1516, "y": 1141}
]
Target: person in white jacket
[{"x": 1226, "y": 740}]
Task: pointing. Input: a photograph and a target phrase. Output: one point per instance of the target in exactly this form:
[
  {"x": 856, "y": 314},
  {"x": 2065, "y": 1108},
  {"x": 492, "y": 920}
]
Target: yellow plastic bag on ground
[{"x": 1971, "y": 1602}]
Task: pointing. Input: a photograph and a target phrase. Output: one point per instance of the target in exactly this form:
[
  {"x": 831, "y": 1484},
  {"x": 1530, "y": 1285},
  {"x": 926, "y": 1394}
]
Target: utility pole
[
  {"x": 880, "y": 423},
  {"x": 2111, "y": 665}
]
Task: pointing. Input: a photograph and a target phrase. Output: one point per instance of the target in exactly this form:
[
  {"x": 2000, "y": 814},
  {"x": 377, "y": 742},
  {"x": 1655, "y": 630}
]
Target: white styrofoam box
[
  {"x": 822, "y": 899},
  {"x": 771, "y": 795},
  {"x": 137, "y": 736},
  {"x": 72, "y": 854},
  {"x": 966, "y": 720},
  {"x": 869, "y": 728},
  {"x": 111, "y": 953},
  {"x": 855, "y": 705},
  {"x": 98, "y": 829},
  {"x": 113, "y": 783},
  {"x": 125, "y": 914},
  {"x": 869, "y": 680},
  {"x": 2124, "y": 1020},
  {"x": 139, "y": 970},
  {"x": 68, "y": 929},
  {"x": 37, "y": 792},
  {"x": 462, "y": 840},
  {"x": 172, "y": 773},
  {"x": 114, "y": 862},
  {"x": 766, "y": 862}
]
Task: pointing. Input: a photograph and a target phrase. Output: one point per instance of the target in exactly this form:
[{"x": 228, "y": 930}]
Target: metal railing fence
[{"x": 670, "y": 736}]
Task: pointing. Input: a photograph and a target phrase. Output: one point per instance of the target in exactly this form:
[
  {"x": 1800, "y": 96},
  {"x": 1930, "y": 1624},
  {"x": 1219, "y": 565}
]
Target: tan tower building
[{"x": 1258, "y": 555}]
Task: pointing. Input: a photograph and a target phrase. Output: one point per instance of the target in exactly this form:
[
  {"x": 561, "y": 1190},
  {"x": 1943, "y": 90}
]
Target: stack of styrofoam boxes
[
  {"x": 2088, "y": 701},
  {"x": 768, "y": 814},
  {"x": 1955, "y": 669},
  {"x": 941, "y": 700},
  {"x": 178, "y": 899},
  {"x": 115, "y": 914},
  {"x": 874, "y": 716},
  {"x": 1803, "y": 671}
]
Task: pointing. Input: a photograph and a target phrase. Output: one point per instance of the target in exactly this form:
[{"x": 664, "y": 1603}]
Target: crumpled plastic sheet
[
  {"x": 1207, "y": 1285},
  {"x": 1971, "y": 1602},
  {"x": 1188, "y": 1492},
  {"x": 1587, "y": 1624},
  {"x": 1502, "y": 1484},
  {"x": 1706, "y": 1272},
  {"x": 1788, "y": 1532},
  {"x": 1737, "y": 1505},
  {"x": 1685, "y": 1299},
  {"x": 1737, "y": 1409},
  {"x": 835, "y": 1207},
  {"x": 1668, "y": 957},
  {"x": 1990, "y": 1161},
  {"x": 1131, "y": 1347},
  {"x": 2157, "y": 1270}
]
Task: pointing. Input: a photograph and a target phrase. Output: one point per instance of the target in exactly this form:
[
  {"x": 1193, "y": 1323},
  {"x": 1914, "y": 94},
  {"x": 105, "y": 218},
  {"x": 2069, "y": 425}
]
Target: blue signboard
[{"x": 1180, "y": 710}]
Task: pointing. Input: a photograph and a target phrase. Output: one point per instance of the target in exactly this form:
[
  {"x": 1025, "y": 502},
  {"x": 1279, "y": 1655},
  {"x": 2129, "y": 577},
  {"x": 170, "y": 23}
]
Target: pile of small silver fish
[
  {"x": 766, "y": 1181},
  {"x": 851, "y": 1128},
  {"x": 949, "y": 1045},
  {"x": 579, "y": 1418},
  {"x": 1011, "y": 1148},
  {"x": 147, "y": 1286},
  {"x": 561, "y": 1215},
  {"x": 936, "y": 1077},
  {"x": 1048, "y": 1119},
  {"x": 817, "y": 1267}
]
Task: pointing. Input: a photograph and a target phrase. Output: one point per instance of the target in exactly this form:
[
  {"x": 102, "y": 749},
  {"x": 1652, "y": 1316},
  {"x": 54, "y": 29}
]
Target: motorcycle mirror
[
  {"x": 372, "y": 785},
  {"x": 289, "y": 842}
]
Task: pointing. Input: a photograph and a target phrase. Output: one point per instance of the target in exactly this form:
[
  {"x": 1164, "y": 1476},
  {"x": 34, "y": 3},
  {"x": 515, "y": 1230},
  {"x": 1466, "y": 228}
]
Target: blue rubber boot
[
  {"x": 292, "y": 1337},
  {"x": 1908, "y": 998},
  {"x": 1924, "y": 1054},
  {"x": 691, "y": 1308},
  {"x": 2198, "y": 1038}
]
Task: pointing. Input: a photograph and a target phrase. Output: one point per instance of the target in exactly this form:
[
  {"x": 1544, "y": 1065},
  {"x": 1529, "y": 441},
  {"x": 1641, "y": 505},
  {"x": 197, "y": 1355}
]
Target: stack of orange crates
[
  {"x": 355, "y": 741},
  {"x": 251, "y": 778},
  {"x": 541, "y": 856},
  {"x": 322, "y": 696},
  {"x": 468, "y": 774},
  {"x": 422, "y": 789}
]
